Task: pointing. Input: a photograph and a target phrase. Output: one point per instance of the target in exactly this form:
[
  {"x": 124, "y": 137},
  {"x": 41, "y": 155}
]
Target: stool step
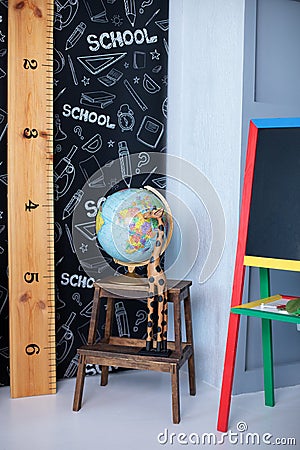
[{"x": 129, "y": 357}]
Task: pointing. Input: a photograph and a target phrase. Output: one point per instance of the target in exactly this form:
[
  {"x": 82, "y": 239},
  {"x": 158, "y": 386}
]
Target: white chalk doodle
[
  {"x": 126, "y": 118},
  {"x": 97, "y": 99},
  {"x": 125, "y": 163},
  {"x": 75, "y": 36},
  {"x": 64, "y": 174},
  {"x": 144, "y": 160},
  {"x": 111, "y": 78},
  {"x": 87, "y": 229},
  {"x": 97, "y": 63},
  {"x": 72, "y": 68},
  {"x": 59, "y": 61},
  {"x": 117, "y": 20},
  {"x": 96, "y": 11},
  {"x": 139, "y": 60},
  {"x": 85, "y": 81},
  {"x": 141, "y": 317},
  {"x": 78, "y": 130},
  {"x": 89, "y": 167},
  {"x": 150, "y": 85},
  {"x": 122, "y": 319},
  {"x": 93, "y": 144},
  {"x": 144, "y": 5},
  {"x": 130, "y": 11},
  {"x": 64, "y": 13},
  {"x": 59, "y": 134},
  {"x": 64, "y": 339},
  {"x": 115, "y": 39},
  {"x": 135, "y": 95},
  {"x": 150, "y": 131}
]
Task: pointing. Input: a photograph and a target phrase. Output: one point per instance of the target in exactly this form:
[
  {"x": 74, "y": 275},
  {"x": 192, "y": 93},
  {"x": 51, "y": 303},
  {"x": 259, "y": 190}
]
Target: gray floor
[{"x": 132, "y": 411}]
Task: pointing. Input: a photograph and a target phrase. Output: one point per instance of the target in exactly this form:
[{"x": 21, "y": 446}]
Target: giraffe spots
[
  {"x": 160, "y": 298},
  {"x": 164, "y": 323},
  {"x": 165, "y": 334},
  {"x": 151, "y": 279},
  {"x": 149, "y": 324},
  {"x": 151, "y": 295},
  {"x": 157, "y": 243},
  {"x": 159, "y": 329},
  {"x": 152, "y": 304},
  {"x": 158, "y": 269},
  {"x": 161, "y": 282},
  {"x": 152, "y": 259},
  {"x": 161, "y": 228}
]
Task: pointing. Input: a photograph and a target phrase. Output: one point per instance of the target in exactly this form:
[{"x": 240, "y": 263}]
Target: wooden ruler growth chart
[{"x": 30, "y": 198}]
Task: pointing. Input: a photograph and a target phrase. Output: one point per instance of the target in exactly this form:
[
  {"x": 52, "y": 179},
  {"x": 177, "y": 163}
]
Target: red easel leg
[{"x": 228, "y": 372}]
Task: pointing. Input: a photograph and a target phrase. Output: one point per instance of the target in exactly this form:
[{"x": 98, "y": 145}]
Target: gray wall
[{"x": 204, "y": 128}]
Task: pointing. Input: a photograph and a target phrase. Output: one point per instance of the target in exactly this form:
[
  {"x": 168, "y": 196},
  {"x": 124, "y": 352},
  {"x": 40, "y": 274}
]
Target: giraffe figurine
[{"x": 157, "y": 286}]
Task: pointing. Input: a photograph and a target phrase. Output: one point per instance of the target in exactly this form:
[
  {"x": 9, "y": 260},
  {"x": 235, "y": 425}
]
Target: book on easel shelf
[{"x": 278, "y": 304}]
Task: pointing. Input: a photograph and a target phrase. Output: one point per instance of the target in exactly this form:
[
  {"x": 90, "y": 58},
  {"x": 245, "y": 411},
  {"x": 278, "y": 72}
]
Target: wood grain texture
[{"x": 30, "y": 175}]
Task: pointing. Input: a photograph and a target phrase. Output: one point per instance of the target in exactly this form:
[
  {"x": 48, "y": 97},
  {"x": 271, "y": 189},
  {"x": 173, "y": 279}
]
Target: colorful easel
[{"x": 271, "y": 186}]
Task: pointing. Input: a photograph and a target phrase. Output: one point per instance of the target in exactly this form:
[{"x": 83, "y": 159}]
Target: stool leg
[
  {"x": 175, "y": 393},
  {"x": 165, "y": 322},
  {"x": 79, "y": 384},
  {"x": 104, "y": 375},
  {"x": 94, "y": 316},
  {"x": 177, "y": 324},
  {"x": 190, "y": 340},
  {"x": 107, "y": 334}
]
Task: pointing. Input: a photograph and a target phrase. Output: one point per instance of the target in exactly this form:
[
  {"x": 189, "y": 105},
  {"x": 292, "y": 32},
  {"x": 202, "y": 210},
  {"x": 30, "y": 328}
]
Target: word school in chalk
[
  {"x": 85, "y": 115},
  {"x": 119, "y": 39}
]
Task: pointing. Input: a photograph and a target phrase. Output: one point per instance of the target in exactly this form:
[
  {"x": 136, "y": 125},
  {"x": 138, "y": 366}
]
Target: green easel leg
[{"x": 267, "y": 341}]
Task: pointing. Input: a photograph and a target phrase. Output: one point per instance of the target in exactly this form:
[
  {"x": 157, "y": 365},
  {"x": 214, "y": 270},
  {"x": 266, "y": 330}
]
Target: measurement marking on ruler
[{"x": 28, "y": 373}]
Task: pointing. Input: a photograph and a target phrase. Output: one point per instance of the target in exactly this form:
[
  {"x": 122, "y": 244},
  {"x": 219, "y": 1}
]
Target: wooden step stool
[{"x": 124, "y": 352}]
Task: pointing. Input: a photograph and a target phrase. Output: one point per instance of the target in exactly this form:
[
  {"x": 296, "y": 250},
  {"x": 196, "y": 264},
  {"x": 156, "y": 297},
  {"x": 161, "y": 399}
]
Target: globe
[{"x": 122, "y": 230}]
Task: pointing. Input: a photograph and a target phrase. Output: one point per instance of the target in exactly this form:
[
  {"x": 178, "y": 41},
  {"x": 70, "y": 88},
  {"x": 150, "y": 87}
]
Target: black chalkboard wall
[
  {"x": 110, "y": 86},
  {"x": 274, "y": 223}
]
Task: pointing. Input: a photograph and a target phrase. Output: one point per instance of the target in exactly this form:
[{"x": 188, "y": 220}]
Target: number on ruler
[
  {"x": 29, "y": 134},
  {"x": 30, "y": 64},
  {"x": 32, "y": 349},
  {"x": 31, "y": 206},
  {"x": 30, "y": 277}
]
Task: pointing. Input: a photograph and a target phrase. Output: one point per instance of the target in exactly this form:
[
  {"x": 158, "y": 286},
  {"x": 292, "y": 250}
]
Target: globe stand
[{"x": 131, "y": 277}]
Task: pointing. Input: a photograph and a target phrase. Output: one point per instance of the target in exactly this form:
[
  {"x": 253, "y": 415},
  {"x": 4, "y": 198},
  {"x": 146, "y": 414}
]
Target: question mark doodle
[
  {"x": 76, "y": 298},
  {"x": 144, "y": 4},
  {"x": 141, "y": 317},
  {"x": 145, "y": 158},
  {"x": 78, "y": 130}
]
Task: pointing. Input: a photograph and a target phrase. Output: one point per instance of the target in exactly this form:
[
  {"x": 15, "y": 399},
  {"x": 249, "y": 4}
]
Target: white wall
[{"x": 204, "y": 127}]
